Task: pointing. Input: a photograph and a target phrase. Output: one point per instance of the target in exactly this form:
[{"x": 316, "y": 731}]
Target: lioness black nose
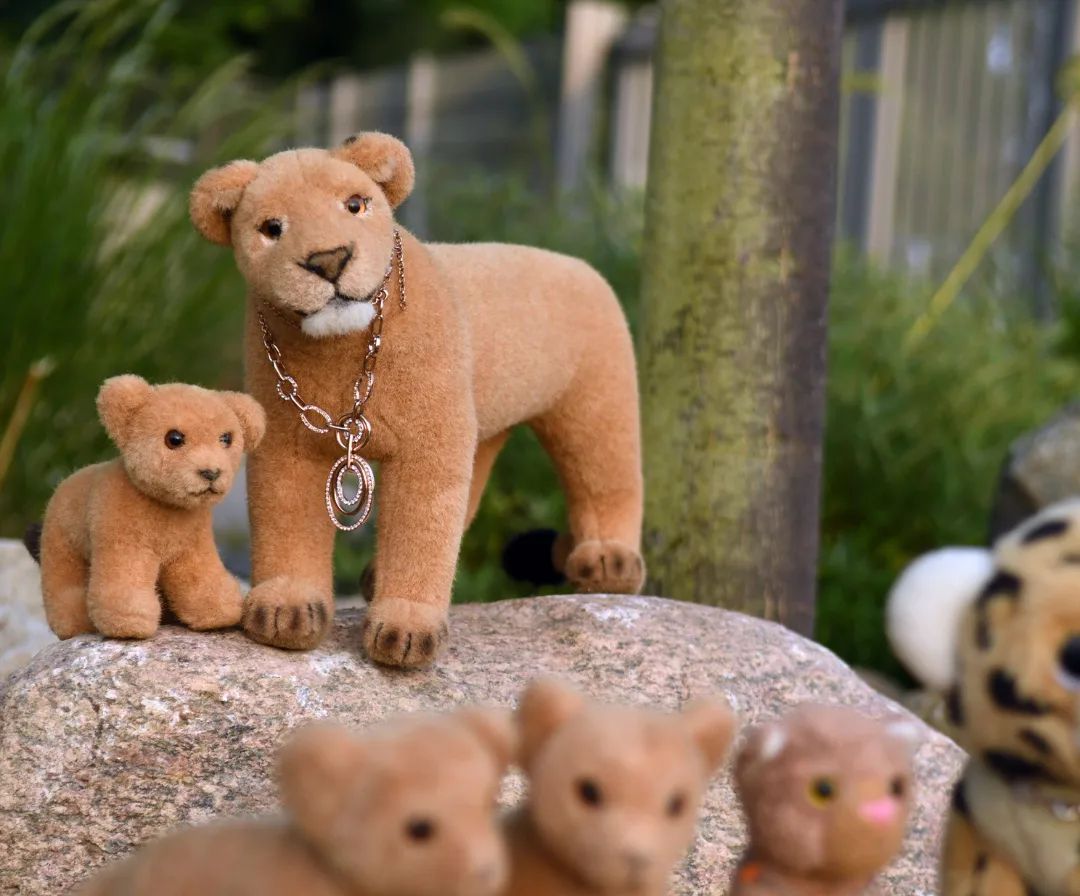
[
  {"x": 210, "y": 475},
  {"x": 328, "y": 264}
]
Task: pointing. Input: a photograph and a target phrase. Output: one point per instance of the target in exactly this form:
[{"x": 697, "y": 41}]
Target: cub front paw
[
  {"x": 136, "y": 617},
  {"x": 288, "y": 614},
  {"x": 404, "y": 633},
  {"x": 605, "y": 567}
]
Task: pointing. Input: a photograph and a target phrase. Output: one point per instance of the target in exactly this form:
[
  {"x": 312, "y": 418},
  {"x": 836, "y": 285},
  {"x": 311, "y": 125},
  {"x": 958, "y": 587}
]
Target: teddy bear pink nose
[{"x": 880, "y": 811}]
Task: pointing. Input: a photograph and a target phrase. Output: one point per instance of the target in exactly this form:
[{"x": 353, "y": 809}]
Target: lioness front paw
[
  {"x": 605, "y": 567},
  {"x": 404, "y": 633},
  {"x": 284, "y": 613}
]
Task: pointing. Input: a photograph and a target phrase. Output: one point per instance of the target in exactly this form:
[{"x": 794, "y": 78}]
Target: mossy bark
[{"x": 740, "y": 210}]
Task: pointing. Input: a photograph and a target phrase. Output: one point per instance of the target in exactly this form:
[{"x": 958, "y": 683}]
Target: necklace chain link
[{"x": 352, "y": 429}]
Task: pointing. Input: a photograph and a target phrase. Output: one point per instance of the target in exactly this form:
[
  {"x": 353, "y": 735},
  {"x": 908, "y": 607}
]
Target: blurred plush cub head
[
  {"x": 826, "y": 791},
  {"x": 312, "y": 229},
  {"x": 407, "y": 809},
  {"x": 614, "y": 791},
  {"x": 179, "y": 444}
]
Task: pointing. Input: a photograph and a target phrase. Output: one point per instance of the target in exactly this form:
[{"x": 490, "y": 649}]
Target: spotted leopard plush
[{"x": 998, "y": 632}]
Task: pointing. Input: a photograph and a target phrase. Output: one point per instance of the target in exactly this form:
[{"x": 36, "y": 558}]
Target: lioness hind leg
[
  {"x": 592, "y": 436},
  {"x": 970, "y": 867}
]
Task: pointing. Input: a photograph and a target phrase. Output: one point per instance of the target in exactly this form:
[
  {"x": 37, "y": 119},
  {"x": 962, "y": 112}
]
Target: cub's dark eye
[
  {"x": 420, "y": 829},
  {"x": 226, "y": 439},
  {"x": 357, "y": 204},
  {"x": 676, "y": 805},
  {"x": 589, "y": 791},
  {"x": 174, "y": 438},
  {"x": 898, "y": 787},
  {"x": 271, "y": 228},
  {"x": 821, "y": 791}
]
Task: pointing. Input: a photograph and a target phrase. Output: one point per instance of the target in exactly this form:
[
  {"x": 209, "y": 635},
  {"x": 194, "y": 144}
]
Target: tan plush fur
[
  {"x": 117, "y": 533},
  {"x": 613, "y": 792},
  {"x": 407, "y": 809},
  {"x": 826, "y": 793},
  {"x": 493, "y": 336}
]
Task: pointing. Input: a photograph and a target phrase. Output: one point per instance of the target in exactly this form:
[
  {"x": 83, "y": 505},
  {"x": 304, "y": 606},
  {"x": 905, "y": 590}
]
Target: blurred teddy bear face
[
  {"x": 179, "y": 444},
  {"x": 313, "y": 236},
  {"x": 615, "y": 794},
  {"x": 827, "y": 791},
  {"x": 411, "y": 812}
]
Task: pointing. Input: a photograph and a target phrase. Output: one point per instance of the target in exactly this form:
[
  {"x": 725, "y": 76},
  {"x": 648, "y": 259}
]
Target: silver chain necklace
[{"x": 352, "y": 429}]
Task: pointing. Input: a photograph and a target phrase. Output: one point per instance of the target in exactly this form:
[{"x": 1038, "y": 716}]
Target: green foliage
[
  {"x": 915, "y": 441},
  {"x": 103, "y": 273}
]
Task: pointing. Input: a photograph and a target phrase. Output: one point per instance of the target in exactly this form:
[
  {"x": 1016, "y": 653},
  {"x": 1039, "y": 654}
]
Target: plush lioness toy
[
  {"x": 826, "y": 792},
  {"x": 120, "y": 536},
  {"x": 614, "y": 792},
  {"x": 404, "y": 809},
  {"x": 999, "y": 632},
  {"x": 367, "y": 345}
]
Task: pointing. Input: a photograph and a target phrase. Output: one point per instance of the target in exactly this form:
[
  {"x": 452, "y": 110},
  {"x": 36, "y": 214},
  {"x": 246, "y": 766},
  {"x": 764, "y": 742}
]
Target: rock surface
[
  {"x": 105, "y": 744},
  {"x": 23, "y": 630},
  {"x": 1042, "y": 467}
]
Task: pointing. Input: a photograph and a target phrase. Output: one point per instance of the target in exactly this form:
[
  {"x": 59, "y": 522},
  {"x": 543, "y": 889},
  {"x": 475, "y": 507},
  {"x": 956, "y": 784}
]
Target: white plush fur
[
  {"x": 925, "y": 606},
  {"x": 339, "y": 317}
]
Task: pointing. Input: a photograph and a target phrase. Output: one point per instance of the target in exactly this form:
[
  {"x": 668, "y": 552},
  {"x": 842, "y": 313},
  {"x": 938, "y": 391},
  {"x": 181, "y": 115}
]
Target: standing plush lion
[{"x": 366, "y": 345}]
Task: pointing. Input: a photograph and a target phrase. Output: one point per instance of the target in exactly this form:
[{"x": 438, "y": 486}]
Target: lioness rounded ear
[
  {"x": 545, "y": 706},
  {"x": 215, "y": 197},
  {"x": 118, "y": 398},
  {"x": 711, "y": 724},
  {"x": 385, "y": 159},
  {"x": 495, "y": 729},
  {"x": 313, "y": 768},
  {"x": 251, "y": 415}
]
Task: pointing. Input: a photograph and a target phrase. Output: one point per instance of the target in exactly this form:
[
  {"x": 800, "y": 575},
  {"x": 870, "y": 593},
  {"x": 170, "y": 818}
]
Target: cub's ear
[
  {"x": 546, "y": 705},
  {"x": 711, "y": 724},
  {"x": 251, "y": 415},
  {"x": 117, "y": 401},
  {"x": 215, "y": 197},
  {"x": 314, "y": 768},
  {"x": 925, "y": 608},
  {"x": 385, "y": 159},
  {"x": 496, "y": 730}
]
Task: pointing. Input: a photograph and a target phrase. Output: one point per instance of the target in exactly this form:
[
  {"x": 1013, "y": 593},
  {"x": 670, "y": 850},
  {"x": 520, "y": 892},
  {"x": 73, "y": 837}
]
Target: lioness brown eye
[
  {"x": 226, "y": 439},
  {"x": 676, "y": 805},
  {"x": 174, "y": 438},
  {"x": 357, "y": 204},
  {"x": 271, "y": 228}
]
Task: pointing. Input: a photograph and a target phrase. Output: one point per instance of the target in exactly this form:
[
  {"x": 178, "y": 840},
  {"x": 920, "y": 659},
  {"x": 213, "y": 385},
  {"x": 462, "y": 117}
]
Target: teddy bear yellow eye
[
  {"x": 589, "y": 791},
  {"x": 174, "y": 438},
  {"x": 357, "y": 204},
  {"x": 271, "y": 228},
  {"x": 420, "y": 829},
  {"x": 226, "y": 439},
  {"x": 821, "y": 791}
]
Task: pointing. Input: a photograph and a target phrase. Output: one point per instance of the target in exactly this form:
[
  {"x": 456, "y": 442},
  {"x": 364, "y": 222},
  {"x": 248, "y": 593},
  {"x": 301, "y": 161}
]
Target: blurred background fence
[{"x": 944, "y": 103}]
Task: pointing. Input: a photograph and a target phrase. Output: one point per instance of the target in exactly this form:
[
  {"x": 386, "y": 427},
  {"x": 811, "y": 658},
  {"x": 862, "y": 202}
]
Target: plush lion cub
[
  {"x": 485, "y": 337},
  {"x": 117, "y": 533},
  {"x": 613, "y": 792},
  {"x": 406, "y": 809},
  {"x": 827, "y": 792}
]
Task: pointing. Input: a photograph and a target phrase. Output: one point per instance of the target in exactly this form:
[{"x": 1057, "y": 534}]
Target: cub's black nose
[
  {"x": 328, "y": 264},
  {"x": 1069, "y": 657},
  {"x": 210, "y": 475}
]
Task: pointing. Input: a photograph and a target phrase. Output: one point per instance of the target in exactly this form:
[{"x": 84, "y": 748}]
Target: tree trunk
[{"x": 740, "y": 209}]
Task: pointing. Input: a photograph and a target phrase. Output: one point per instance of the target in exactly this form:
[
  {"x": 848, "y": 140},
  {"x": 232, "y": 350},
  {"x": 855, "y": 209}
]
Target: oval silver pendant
[{"x": 355, "y": 509}]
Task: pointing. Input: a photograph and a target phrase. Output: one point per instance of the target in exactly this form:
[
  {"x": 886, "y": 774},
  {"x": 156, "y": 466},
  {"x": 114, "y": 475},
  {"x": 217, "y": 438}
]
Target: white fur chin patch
[{"x": 338, "y": 318}]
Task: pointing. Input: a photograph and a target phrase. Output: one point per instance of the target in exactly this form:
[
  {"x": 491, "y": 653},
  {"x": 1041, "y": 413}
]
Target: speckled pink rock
[{"x": 106, "y": 744}]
